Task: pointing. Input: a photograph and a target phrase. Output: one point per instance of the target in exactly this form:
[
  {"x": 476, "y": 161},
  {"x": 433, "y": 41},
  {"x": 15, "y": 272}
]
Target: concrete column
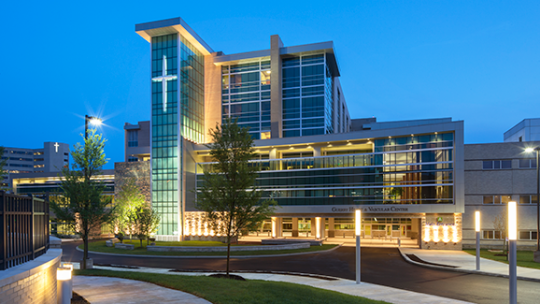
[
  {"x": 317, "y": 151},
  {"x": 295, "y": 227},
  {"x": 313, "y": 228},
  {"x": 273, "y": 154},
  {"x": 331, "y": 231},
  {"x": 276, "y": 115},
  {"x": 277, "y": 227},
  {"x": 212, "y": 95}
]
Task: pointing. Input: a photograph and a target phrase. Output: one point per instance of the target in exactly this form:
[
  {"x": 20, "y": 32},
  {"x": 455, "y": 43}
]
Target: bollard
[{"x": 63, "y": 285}]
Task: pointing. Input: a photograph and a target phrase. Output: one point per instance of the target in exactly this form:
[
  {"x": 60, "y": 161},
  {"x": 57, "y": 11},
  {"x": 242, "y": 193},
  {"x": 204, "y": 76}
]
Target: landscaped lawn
[
  {"x": 221, "y": 291},
  {"x": 524, "y": 258},
  {"x": 99, "y": 246}
]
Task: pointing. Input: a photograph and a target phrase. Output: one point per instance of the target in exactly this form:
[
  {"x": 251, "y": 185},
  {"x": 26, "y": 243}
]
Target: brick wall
[{"x": 32, "y": 282}]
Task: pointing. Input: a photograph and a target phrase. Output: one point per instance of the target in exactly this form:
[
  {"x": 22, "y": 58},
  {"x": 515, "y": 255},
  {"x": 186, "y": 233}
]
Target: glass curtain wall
[
  {"x": 246, "y": 96},
  {"x": 307, "y": 96},
  {"x": 165, "y": 131},
  {"x": 404, "y": 170},
  {"x": 192, "y": 91}
]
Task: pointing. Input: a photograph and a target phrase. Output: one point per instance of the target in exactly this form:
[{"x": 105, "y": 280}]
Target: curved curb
[
  {"x": 451, "y": 268},
  {"x": 211, "y": 257}
]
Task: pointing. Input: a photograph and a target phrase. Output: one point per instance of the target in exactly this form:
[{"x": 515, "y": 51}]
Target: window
[
  {"x": 528, "y": 199},
  {"x": 496, "y": 199},
  {"x": 132, "y": 159},
  {"x": 527, "y": 163},
  {"x": 491, "y": 234},
  {"x": 133, "y": 138},
  {"x": 496, "y": 164},
  {"x": 527, "y": 235}
]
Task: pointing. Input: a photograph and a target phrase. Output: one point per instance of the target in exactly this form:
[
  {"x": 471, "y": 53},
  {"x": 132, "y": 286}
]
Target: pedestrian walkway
[
  {"x": 463, "y": 261},
  {"x": 367, "y": 290},
  {"x": 102, "y": 290}
]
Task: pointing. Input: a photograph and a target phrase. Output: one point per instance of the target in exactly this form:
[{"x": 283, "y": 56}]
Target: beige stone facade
[
  {"x": 32, "y": 282},
  {"x": 139, "y": 171}
]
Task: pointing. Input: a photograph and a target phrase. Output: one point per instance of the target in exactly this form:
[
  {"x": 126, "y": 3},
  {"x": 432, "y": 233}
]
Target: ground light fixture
[
  {"x": 537, "y": 252},
  {"x": 512, "y": 252},
  {"x": 477, "y": 229},
  {"x": 63, "y": 285},
  {"x": 358, "y": 228}
]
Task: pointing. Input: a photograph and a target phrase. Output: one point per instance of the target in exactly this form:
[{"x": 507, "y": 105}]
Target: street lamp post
[
  {"x": 537, "y": 252},
  {"x": 477, "y": 229},
  {"x": 358, "y": 228},
  {"x": 512, "y": 252},
  {"x": 93, "y": 121}
]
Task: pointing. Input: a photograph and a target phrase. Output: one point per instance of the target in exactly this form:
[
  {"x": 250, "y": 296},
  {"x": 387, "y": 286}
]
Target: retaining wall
[{"x": 31, "y": 282}]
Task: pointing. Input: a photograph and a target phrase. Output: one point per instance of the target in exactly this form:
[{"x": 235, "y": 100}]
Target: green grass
[
  {"x": 99, "y": 246},
  {"x": 524, "y": 258},
  {"x": 221, "y": 291}
]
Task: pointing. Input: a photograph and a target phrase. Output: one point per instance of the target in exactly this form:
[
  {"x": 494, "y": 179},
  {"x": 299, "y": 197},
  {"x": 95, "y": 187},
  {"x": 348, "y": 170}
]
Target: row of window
[
  {"x": 496, "y": 235},
  {"x": 504, "y": 199},
  {"x": 507, "y": 164}
]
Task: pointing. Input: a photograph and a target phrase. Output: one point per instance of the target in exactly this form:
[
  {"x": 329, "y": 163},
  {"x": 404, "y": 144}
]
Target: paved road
[{"x": 383, "y": 266}]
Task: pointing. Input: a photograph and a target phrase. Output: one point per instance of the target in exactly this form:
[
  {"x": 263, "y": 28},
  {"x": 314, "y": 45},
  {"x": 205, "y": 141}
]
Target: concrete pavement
[
  {"x": 367, "y": 290},
  {"x": 464, "y": 262},
  {"x": 104, "y": 290}
]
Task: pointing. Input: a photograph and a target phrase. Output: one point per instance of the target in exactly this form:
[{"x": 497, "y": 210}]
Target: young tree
[
  {"x": 82, "y": 204},
  {"x": 500, "y": 223},
  {"x": 147, "y": 222},
  {"x": 228, "y": 194},
  {"x": 128, "y": 201}
]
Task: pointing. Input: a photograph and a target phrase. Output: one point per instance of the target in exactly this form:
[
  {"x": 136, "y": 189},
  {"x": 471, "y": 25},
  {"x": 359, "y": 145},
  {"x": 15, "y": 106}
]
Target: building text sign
[{"x": 371, "y": 209}]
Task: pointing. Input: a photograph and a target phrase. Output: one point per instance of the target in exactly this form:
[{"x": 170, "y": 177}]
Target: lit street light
[
  {"x": 95, "y": 121},
  {"x": 358, "y": 228},
  {"x": 477, "y": 229},
  {"x": 512, "y": 252},
  {"x": 537, "y": 252}
]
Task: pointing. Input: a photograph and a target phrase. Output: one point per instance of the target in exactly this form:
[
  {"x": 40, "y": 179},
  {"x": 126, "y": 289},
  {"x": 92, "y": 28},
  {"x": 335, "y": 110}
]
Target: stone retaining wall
[
  {"x": 31, "y": 282},
  {"x": 224, "y": 248}
]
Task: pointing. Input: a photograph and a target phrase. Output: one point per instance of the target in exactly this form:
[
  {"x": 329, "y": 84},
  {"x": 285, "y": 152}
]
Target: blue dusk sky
[{"x": 477, "y": 61}]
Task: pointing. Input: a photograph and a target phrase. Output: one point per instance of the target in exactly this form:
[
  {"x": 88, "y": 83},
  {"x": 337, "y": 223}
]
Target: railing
[{"x": 24, "y": 229}]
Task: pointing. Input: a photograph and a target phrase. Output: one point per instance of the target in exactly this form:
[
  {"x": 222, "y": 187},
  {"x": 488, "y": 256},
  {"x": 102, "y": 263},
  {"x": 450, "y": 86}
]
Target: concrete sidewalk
[
  {"x": 367, "y": 290},
  {"x": 465, "y": 262},
  {"x": 115, "y": 290}
]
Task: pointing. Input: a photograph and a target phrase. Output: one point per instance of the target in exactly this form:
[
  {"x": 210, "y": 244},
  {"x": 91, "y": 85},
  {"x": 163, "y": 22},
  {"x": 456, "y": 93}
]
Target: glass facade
[
  {"x": 403, "y": 170},
  {"x": 246, "y": 96},
  {"x": 165, "y": 150},
  {"x": 307, "y": 96},
  {"x": 177, "y": 74},
  {"x": 192, "y": 91}
]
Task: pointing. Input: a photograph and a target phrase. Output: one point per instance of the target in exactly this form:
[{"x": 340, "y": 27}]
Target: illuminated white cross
[
  {"x": 56, "y": 145},
  {"x": 163, "y": 79}
]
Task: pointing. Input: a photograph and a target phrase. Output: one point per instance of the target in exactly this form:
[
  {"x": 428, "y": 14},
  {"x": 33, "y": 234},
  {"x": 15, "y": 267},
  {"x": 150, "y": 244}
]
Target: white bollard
[{"x": 63, "y": 285}]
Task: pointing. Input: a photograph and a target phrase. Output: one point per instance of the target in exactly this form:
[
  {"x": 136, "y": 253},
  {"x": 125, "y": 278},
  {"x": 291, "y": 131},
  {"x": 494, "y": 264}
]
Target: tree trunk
[
  {"x": 85, "y": 251},
  {"x": 228, "y": 253}
]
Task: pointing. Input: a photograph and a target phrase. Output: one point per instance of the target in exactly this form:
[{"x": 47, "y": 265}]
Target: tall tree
[
  {"x": 128, "y": 201},
  {"x": 228, "y": 194},
  {"x": 82, "y": 204}
]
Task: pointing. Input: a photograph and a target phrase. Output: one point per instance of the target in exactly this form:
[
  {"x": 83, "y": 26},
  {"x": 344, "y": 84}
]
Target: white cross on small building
[
  {"x": 163, "y": 79},
  {"x": 56, "y": 145}
]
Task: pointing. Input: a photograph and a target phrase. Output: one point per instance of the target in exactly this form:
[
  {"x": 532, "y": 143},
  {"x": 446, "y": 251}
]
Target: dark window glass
[
  {"x": 488, "y": 199},
  {"x": 524, "y": 163},
  {"x": 487, "y": 164},
  {"x": 524, "y": 235},
  {"x": 506, "y": 164},
  {"x": 524, "y": 199},
  {"x": 496, "y": 164}
]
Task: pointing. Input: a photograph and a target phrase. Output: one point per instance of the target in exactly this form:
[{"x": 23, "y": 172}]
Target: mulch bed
[
  {"x": 224, "y": 276},
  {"x": 77, "y": 299}
]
